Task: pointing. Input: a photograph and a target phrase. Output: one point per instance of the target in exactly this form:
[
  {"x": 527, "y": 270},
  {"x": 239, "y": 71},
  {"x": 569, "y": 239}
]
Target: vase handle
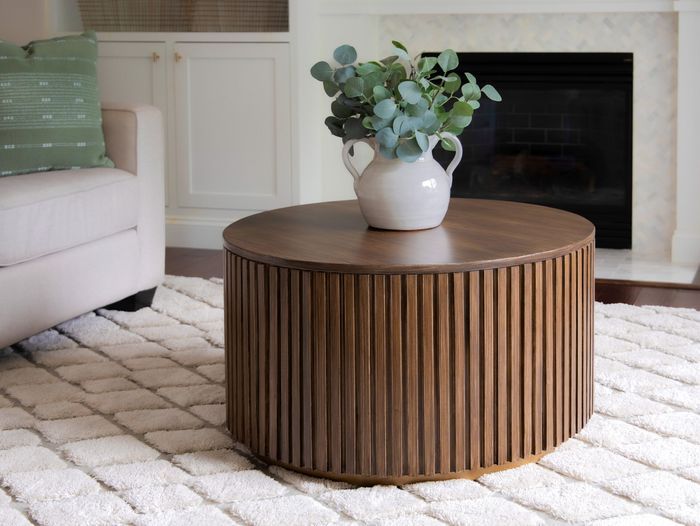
[
  {"x": 458, "y": 155},
  {"x": 346, "y": 158}
]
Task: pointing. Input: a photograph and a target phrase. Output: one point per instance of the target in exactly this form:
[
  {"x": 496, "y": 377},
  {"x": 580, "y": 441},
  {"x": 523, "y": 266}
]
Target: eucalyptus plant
[{"x": 399, "y": 100}]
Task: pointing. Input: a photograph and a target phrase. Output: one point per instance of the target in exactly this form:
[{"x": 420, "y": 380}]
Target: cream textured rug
[{"x": 116, "y": 418}]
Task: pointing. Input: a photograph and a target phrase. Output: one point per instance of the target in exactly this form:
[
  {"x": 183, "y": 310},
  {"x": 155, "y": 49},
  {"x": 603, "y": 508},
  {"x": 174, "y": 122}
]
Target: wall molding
[{"x": 420, "y": 7}]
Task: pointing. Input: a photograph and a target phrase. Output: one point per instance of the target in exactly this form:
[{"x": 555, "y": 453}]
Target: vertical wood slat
[
  {"x": 516, "y": 428},
  {"x": 380, "y": 384},
  {"x": 285, "y": 430},
  {"x": 501, "y": 432},
  {"x": 349, "y": 432},
  {"x": 444, "y": 438},
  {"x": 447, "y": 373},
  {"x": 272, "y": 382},
  {"x": 263, "y": 335},
  {"x": 538, "y": 382},
  {"x": 364, "y": 423},
  {"x": 488, "y": 371},
  {"x": 335, "y": 370},
  {"x": 558, "y": 352},
  {"x": 426, "y": 318},
  {"x": 295, "y": 365},
  {"x": 527, "y": 359},
  {"x": 307, "y": 372},
  {"x": 320, "y": 377},
  {"x": 459, "y": 371},
  {"x": 474, "y": 370},
  {"x": 396, "y": 380},
  {"x": 549, "y": 354},
  {"x": 413, "y": 372}
]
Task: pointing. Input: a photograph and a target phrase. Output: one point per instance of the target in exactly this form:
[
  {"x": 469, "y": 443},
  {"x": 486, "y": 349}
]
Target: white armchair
[{"x": 72, "y": 241}]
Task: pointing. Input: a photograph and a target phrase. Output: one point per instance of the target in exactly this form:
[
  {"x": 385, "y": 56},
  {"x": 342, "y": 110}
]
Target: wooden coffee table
[{"x": 387, "y": 357}]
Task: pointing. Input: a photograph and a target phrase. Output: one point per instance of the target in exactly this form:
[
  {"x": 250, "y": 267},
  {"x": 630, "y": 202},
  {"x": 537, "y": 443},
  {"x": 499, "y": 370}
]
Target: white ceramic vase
[{"x": 396, "y": 195}]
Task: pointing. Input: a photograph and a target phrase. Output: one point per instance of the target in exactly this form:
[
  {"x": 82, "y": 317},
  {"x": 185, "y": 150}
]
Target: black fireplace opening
[{"x": 562, "y": 136}]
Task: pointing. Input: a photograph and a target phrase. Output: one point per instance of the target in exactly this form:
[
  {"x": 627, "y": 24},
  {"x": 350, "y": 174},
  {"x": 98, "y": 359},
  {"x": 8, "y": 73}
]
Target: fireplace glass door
[{"x": 562, "y": 136}]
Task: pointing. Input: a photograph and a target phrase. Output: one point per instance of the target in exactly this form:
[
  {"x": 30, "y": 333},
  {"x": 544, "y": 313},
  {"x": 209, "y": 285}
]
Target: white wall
[
  {"x": 652, "y": 37},
  {"x": 22, "y": 21}
]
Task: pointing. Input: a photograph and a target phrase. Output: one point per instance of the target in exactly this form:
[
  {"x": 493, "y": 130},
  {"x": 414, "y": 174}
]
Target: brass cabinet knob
[
  {"x": 155, "y": 56},
  {"x": 178, "y": 57}
]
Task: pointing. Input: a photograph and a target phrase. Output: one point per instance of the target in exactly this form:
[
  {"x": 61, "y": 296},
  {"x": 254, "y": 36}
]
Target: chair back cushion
[{"x": 50, "y": 116}]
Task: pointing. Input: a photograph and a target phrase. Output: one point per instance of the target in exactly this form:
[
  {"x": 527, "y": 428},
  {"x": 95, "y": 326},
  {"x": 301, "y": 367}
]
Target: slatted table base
[{"x": 376, "y": 378}]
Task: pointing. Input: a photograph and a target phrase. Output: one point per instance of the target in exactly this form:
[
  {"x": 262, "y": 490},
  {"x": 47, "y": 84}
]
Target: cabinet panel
[
  {"x": 232, "y": 125},
  {"x": 134, "y": 72},
  {"x": 130, "y": 72}
]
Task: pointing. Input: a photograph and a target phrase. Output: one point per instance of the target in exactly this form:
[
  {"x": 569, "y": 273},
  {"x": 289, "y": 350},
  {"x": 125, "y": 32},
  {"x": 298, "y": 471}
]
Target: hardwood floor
[{"x": 210, "y": 263}]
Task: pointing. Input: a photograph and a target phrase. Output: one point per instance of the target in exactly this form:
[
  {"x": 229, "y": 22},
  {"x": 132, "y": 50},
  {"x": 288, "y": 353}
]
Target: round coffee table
[{"x": 375, "y": 356}]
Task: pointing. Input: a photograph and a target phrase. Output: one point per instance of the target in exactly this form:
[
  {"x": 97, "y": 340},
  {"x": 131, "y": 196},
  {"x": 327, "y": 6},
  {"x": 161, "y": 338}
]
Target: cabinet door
[
  {"x": 232, "y": 125},
  {"x": 132, "y": 72}
]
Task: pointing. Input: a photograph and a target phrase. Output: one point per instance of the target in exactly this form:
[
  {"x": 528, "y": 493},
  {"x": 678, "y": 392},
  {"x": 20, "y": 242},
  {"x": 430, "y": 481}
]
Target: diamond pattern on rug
[{"x": 118, "y": 418}]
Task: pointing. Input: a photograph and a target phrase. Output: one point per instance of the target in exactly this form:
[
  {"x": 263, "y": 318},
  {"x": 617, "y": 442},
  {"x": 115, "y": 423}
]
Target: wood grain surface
[
  {"x": 475, "y": 234},
  {"x": 390, "y": 378}
]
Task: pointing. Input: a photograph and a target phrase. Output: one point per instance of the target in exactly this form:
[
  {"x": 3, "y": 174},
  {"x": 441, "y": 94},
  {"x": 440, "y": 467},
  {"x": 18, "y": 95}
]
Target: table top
[{"x": 475, "y": 234}]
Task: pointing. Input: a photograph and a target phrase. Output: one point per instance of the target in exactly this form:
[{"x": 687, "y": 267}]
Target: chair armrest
[{"x": 134, "y": 141}]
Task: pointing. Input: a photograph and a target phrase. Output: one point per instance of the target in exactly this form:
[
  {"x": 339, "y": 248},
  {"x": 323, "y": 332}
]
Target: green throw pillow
[{"x": 50, "y": 116}]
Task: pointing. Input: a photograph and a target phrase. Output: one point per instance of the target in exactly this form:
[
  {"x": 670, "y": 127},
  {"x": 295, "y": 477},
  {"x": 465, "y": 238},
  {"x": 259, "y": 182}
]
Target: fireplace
[{"x": 562, "y": 136}]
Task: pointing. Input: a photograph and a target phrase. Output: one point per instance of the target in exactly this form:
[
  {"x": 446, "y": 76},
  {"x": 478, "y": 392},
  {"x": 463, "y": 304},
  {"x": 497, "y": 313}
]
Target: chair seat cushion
[{"x": 41, "y": 214}]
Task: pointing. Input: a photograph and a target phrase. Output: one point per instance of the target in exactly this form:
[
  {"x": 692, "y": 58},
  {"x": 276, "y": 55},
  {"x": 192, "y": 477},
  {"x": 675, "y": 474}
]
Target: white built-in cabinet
[{"x": 226, "y": 109}]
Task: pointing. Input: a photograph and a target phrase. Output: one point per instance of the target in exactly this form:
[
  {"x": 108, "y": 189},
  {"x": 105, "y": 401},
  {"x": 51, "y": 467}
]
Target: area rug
[{"x": 117, "y": 418}]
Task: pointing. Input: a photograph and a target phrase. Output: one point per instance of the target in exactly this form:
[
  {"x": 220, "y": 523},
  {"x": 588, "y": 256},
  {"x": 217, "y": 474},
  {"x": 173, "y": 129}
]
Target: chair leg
[{"x": 134, "y": 302}]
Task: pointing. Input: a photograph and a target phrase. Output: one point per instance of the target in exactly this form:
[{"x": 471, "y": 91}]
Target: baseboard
[
  {"x": 195, "y": 233},
  {"x": 685, "y": 248}
]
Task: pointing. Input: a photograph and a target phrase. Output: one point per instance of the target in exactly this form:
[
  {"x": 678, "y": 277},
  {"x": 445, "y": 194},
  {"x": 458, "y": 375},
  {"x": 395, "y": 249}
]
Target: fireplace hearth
[{"x": 562, "y": 136}]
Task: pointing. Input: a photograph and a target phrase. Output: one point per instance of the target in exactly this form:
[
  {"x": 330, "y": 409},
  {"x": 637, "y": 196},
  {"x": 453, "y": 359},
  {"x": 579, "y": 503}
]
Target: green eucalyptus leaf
[
  {"x": 330, "y": 87},
  {"x": 367, "y": 123},
  {"x": 389, "y": 153},
  {"x": 425, "y": 83},
  {"x": 386, "y": 137},
  {"x": 461, "y": 109},
  {"x": 367, "y": 68},
  {"x": 491, "y": 93},
  {"x": 456, "y": 124},
  {"x": 322, "y": 71},
  {"x": 418, "y": 109},
  {"x": 430, "y": 123},
  {"x": 385, "y": 109},
  {"x": 426, "y": 65},
  {"x": 354, "y": 129},
  {"x": 447, "y": 145},
  {"x": 471, "y": 78},
  {"x": 345, "y": 54},
  {"x": 439, "y": 100},
  {"x": 341, "y": 75},
  {"x": 354, "y": 87},
  {"x": 399, "y": 45},
  {"x": 410, "y": 91},
  {"x": 378, "y": 123},
  {"x": 340, "y": 110},
  {"x": 400, "y": 125},
  {"x": 388, "y": 61},
  {"x": 448, "y": 60},
  {"x": 422, "y": 140},
  {"x": 380, "y": 93},
  {"x": 371, "y": 81},
  {"x": 453, "y": 82},
  {"x": 409, "y": 150},
  {"x": 335, "y": 125},
  {"x": 471, "y": 92},
  {"x": 474, "y": 104}
]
